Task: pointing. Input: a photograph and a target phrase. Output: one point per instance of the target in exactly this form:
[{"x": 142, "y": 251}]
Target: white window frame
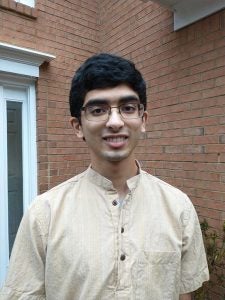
[{"x": 30, "y": 3}]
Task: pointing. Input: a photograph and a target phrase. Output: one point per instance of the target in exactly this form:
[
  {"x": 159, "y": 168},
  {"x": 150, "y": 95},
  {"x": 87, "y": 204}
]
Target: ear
[
  {"x": 75, "y": 123},
  {"x": 144, "y": 121}
]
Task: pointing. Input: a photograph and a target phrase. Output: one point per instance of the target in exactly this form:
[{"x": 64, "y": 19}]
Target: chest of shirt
[
  {"x": 96, "y": 228},
  {"x": 94, "y": 241}
]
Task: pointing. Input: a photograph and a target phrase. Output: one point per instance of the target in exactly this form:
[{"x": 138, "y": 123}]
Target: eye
[
  {"x": 97, "y": 110},
  {"x": 129, "y": 108}
]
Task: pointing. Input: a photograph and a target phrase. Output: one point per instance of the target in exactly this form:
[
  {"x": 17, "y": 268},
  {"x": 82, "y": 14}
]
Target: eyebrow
[{"x": 122, "y": 100}]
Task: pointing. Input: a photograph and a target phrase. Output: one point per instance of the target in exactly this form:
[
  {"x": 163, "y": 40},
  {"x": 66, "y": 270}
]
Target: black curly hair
[{"x": 101, "y": 71}]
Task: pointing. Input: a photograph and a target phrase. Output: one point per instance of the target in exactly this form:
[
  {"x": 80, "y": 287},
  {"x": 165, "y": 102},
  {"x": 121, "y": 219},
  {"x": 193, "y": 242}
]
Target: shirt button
[
  {"x": 122, "y": 257},
  {"x": 122, "y": 230},
  {"x": 114, "y": 203}
]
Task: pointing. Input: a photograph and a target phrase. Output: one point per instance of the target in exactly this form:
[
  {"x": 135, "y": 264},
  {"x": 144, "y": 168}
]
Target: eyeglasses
[{"x": 101, "y": 112}]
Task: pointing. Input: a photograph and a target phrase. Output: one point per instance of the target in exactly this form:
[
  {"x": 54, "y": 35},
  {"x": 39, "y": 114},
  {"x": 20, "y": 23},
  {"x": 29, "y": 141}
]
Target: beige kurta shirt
[{"x": 78, "y": 241}]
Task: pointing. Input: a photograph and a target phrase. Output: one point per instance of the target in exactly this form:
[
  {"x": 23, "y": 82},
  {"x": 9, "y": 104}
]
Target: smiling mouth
[{"x": 115, "y": 142}]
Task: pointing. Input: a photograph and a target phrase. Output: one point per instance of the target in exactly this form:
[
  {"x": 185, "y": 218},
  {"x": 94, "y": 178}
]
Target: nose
[{"x": 115, "y": 120}]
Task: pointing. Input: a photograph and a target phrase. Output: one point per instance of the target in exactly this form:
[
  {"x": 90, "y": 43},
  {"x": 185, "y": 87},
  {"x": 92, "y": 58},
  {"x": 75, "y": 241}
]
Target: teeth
[{"x": 115, "y": 139}]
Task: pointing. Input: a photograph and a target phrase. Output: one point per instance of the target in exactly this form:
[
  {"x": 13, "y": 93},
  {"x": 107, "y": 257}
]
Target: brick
[
  {"x": 207, "y": 196},
  {"x": 214, "y": 186},
  {"x": 208, "y": 102},
  {"x": 223, "y": 178},
  {"x": 222, "y": 139},
  {"x": 20, "y": 7},
  {"x": 170, "y": 141},
  {"x": 202, "y": 175},
  {"x": 4, "y": 3},
  {"x": 171, "y": 133},
  {"x": 222, "y": 120},
  {"x": 220, "y": 81},
  {"x": 194, "y": 96},
  {"x": 193, "y": 149},
  {"x": 217, "y": 91},
  {"x": 12, "y": 4},
  {"x": 207, "y": 139},
  {"x": 218, "y": 129},
  {"x": 193, "y": 131},
  {"x": 216, "y": 148},
  {"x": 205, "y": 157},
  {"x": 214, "y": 73},
  {"x": 173, "y": 149},
  {"x": 209, "y": 65}
]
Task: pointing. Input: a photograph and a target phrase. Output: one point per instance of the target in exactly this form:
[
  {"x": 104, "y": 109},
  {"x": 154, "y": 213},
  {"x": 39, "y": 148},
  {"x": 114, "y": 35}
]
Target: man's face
[{"x": 115, "y": 138}]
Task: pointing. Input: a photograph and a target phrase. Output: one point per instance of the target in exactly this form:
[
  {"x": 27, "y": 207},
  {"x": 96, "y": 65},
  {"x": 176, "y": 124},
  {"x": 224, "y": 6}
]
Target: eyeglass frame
[{"x": 140, "y": 107}]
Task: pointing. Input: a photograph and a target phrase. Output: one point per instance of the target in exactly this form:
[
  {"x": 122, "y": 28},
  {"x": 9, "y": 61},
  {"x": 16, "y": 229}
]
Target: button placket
[
  {"x": 113, "y": 205},
  {"x": 123, "y": 264}
]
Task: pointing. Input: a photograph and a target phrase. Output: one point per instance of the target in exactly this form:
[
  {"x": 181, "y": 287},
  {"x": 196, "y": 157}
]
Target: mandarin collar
[{"x": 107, "y": 184}]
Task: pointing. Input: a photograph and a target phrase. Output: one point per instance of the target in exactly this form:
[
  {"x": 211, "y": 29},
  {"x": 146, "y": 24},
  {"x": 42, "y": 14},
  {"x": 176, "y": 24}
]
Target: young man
[{"x": 114, "y": 231}]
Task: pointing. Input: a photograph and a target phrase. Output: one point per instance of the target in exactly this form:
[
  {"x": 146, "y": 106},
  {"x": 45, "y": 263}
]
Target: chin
[{"x": 115, "y": 157}]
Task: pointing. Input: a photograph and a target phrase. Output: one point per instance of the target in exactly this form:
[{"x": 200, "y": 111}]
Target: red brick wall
[
  {"x": 69, "y": 30},
  {"x": 184, "y": 70},
  {"x": 185, "y": 73}
]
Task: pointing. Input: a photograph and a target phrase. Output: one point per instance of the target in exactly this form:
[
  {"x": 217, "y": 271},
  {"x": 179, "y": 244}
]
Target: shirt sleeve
[
  {"x": 25, "y": 278},
  {"x": 194, "y": 268}
]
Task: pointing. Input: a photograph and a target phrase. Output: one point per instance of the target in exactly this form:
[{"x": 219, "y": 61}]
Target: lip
[{"x": 115, "y": 141}]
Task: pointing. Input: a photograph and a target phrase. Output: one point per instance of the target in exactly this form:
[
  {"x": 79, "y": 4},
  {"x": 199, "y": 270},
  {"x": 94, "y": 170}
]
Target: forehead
[{"x": 111, "y": 94}]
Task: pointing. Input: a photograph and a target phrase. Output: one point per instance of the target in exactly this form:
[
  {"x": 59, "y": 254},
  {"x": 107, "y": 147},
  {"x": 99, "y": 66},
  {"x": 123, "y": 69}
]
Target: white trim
[
  {"x": 4, "y": 253},
  {"x": 23, "y": 61},
  {"x": 29, "y": 56},
  {"x": 29, "y": 148},
  {"x": 13, "y": 79},
  {"x": 18, "y": 68},
  {"x": 187, "y": 12}
]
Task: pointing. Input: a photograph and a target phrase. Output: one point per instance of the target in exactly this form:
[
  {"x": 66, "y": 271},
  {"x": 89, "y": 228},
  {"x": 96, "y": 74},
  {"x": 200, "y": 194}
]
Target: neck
[{"x": 118, "y": 173}]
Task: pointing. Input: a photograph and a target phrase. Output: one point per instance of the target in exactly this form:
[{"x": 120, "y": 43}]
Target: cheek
[
  {"x": 136, "y": 127},
  {"x": 91, "y": 130}
]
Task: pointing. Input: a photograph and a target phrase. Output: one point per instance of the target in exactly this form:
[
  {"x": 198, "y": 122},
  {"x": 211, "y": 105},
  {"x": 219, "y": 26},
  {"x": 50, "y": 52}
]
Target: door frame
[{"x": 29, "y": 156}]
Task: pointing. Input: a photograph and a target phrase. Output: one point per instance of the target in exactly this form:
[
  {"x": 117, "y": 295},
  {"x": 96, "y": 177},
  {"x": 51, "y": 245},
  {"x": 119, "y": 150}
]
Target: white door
[{"x": 17, "y": 170}]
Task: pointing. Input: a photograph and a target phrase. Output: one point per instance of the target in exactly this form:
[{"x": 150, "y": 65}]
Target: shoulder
[
  {"x": 165, "y": 195},
  {"x": 155, "y": 183},
  {"x": 65, "y": 186},
  {"x": 48, "y": 203},
  {"x": 61, "y": 189}
]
